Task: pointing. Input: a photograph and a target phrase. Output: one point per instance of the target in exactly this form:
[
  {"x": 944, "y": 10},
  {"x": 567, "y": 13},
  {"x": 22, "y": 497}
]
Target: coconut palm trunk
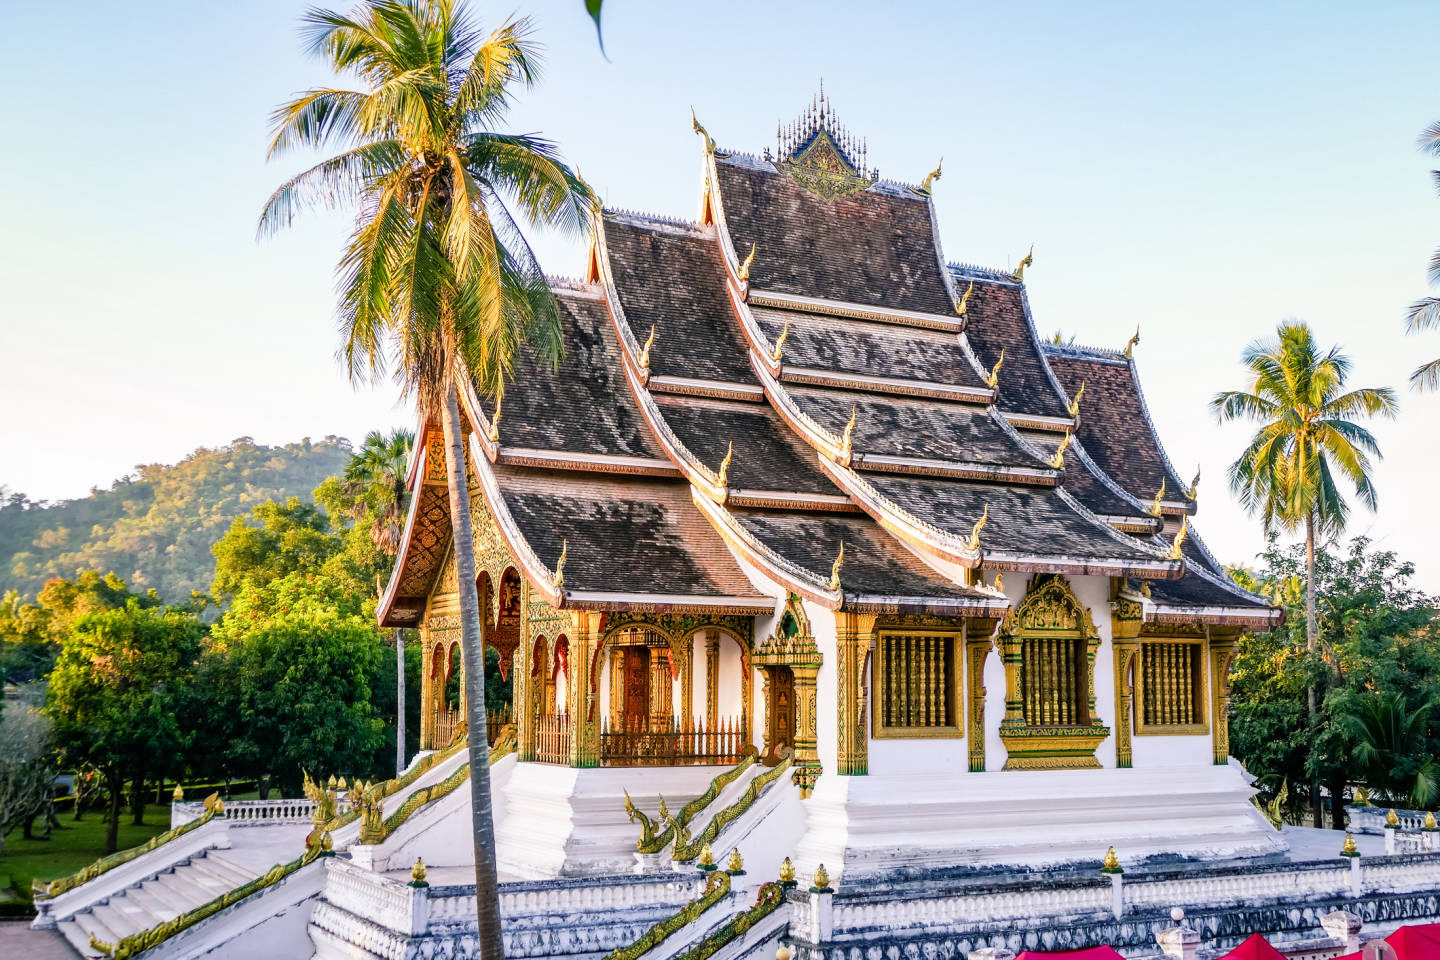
[
  {"x": 472, "y": 645},
  {"x": 1312, "y": 628},
  {"x": 399, "y": 700}
]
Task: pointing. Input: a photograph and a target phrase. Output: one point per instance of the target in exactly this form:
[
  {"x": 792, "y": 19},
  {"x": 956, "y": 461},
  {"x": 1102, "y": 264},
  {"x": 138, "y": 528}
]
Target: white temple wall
[
  {"x": 730, "y": 699},
  {"x": 1170, "y": 750},
  {"x": 761, "y": 705},
  {"x": 604, "y": 686},
  {"x": 699, "y": 673},
  {"x": 1094, "y": 592},
  {"x": 894, "y": 756}
]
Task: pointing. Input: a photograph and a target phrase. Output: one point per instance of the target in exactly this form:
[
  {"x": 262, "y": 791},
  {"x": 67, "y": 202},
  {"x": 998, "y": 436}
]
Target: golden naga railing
[
  {"x": 673, "y": 743},
  {"x": 495, "y": 723},
  {"x": 552, "y": 738}
]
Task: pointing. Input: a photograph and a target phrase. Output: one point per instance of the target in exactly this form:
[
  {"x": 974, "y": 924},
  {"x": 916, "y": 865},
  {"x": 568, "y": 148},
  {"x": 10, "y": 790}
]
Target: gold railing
[
  {"x": 688, "y": 848},
  {"x": 446, "y": 723},
  {"x": 717, "y": 886},
  {"x": 767, "y": 901},
  {"x": 653, "y": 842},
  {"x": 552, "y": 738},
  {"x": 673, "y": 743}
]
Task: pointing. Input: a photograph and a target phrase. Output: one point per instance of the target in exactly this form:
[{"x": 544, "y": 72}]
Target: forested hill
[{"x": 155, "y": 528}]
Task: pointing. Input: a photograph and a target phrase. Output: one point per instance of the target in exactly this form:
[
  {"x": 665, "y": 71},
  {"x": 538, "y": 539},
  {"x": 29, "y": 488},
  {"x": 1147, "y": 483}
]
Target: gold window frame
[
  {"x": 878, "y": 728},
  {"x": 1143, "y": 729}
]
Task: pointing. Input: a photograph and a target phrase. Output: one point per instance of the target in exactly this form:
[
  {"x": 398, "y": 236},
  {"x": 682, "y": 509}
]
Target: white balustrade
[{"x": 373, "y": 896}]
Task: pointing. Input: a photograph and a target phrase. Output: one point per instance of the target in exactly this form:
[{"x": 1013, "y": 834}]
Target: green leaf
[{"x": 592, "y": 7}]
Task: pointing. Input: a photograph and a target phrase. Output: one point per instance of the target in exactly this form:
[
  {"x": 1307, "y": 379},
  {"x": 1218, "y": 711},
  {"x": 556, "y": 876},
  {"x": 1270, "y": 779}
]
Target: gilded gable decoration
[
  {"x": 779, "y": 350},
  {"x": 834, "y": 583},
  {"x": 819, "y": 154},
  {"x": 709, "y": 140},
  {"x": 1074, "y": 407},
  {"x": 1129, "y": 351},
  {"x": 963, "y": 304},
  {"x": 928, "y": 183},
  {"x": 1178, "y": 546},
  {"x": 1058, "y": 460},
  {"x": 1027, "y": 260},
  {"x": 1194, "y": 485},
  {"x": 993, "y": 380}
]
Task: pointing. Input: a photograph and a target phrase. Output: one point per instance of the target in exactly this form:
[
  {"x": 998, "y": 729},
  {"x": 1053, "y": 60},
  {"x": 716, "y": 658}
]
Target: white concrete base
[
  {"x": 568, "y": 822},
  {"x": 877, "y": 825}
]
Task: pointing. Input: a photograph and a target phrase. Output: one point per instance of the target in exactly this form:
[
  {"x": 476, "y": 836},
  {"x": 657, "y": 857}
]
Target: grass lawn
[{"x": 78, "y": 845}]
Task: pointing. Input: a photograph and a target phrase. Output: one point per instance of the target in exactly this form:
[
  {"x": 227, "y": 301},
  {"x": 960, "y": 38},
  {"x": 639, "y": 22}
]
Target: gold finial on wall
[
  {"x": 736, "y": 864},
  {"x": 707, "y": 857},
  {"x": 964, "y": 302},
  {"x": 722, "y": 475},
  {"x": 1194, "y": 484},
  {"x": 787, "y": 873},
  {"x": 1176, "y": 551},
  {"x": 980, "y": 524},
  {"x": 994, "y": 379},
  {"x": 1130, "y": 344},
  {"x": 1025, "y": 261},
  {"x": 1075, "y": 404},
  {"x": 418, "y": 873},
  {"x": 822, "y": 880},
  {"x": 744, "y": 274},
  {"x": 928, "y": 183},
  {"x": 1112, "y": 862},
  {"x": 645, "y": 350},
  {"x": 1058, "y": 460},
  {"x": 559, "y": 576},
  {"x": 834, "y": 583},
  {"x": 695, "y": 125},
  {"x": 847, "y": 437},
  {"x": 179, "y": 793},
  {"x": 1392, "y": 819},
  {"x": 1154, "y": 509},
  {"x": 779, "y": 350}
]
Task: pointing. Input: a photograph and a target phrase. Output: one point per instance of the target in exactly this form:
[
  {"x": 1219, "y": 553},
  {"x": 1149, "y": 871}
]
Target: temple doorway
[
  {"x": 780, "y": 712},
  {"x": 635, "y": 689}
]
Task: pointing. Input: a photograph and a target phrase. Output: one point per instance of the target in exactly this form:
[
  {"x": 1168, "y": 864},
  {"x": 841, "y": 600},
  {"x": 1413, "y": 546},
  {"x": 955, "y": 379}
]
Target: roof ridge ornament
[
  {"x": 1058, "y": 461},
  {"x": 819, "y": 154},
  {"x": 981, "y": 524},
  {"x": 1177, "y": 546},
  {"x": 558, "y": 577},
  {"x": 1019, "y": 275},
  {"x": 1154, "y": 508},
  {"x": 1074, "y": 407},
  {"x": 779, "y": 350},
  {"x": 724, "y": 472},
  {"x": 963, "y": 303},
  {"x": 834, "y": 583},
  {"x": 494, "y": 432},
  {"x": 1194, "y": 484},
  {"x": 709, "y": 140},
  {"x": 847, "y": 438},
  {"x": 645, "y": 350},
  {"x": 744, "y": 273},
  {"x": 1129, "y": 351},
  {"x": 928, "y": 184},
  {"x": 994, "y": 379}
]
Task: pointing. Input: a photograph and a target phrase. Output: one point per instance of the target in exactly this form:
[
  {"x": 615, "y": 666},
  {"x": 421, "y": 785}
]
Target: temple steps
[{"x": 151, "y": 902}]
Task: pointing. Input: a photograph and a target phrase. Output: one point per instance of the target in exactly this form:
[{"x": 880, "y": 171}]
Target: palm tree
[
  {"x": 1307, "y": 434},
  {"x": 376, "y": 473},
  {"x": 1391, "y": 748},
  {"x": 1424, "y": 314},
  {"x": 436, "y": 281}
]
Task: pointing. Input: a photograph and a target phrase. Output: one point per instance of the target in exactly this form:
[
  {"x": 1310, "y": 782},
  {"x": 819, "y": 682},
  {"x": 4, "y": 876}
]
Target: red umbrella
[
  {"x": 1089, "y": 953},
  {"x": 1418, "y": 942},
  {"x": 1254, "y": 948}
]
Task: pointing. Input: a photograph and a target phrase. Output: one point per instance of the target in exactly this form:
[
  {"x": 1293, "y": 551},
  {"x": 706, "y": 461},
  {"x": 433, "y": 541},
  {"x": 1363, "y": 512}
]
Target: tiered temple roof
[{"x": 800, "y": 372}]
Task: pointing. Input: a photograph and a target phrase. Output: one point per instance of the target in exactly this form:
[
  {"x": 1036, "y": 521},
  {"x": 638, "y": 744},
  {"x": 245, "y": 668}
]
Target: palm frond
[
  {"x": 1426, "y": 376},
  {"x": 529, "y": 169},
  {"x": 315, "y": 119},
  {"x": 1423, "y": 315},
  {"x": 340, "y": 181}
]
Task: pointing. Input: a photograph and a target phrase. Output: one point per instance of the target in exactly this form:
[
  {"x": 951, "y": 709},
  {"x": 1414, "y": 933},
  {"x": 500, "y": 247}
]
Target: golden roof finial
[
  {"x": 558, "y": 578},
  {"x": 1112, "y": 862},
  {"x": 847, "y": 437},
  {"x": 1348, "y": 848},
  {"x": 744, "y": 274},
  {"x": 494, "y": 431},
  {"x": 787, "y": 872},
  {"x": 964, "y": 303},
  {"x": 418, "y": 872},
  {"x": 834, "y": 583},
  {"x": 994, "y": 379},
  {"x": 695, "y": 125},
  {"x": 1194, "y": 484},
  {"x": 1154, "y": 509},
  {"x": 1000, "y": 582},
  {"x": 779, "y": 350},
  {"x": 822, "y": 880},
  {"x": 707, "y": 857},
  {"x": 1058, "y": 460},
  {"x": 179, "y": 793},
  {"x": 1025, "y": 261},
  {"x": 1075, "y": 404},
  {"x": 1392, "y": 819},
  {"x": 1176, "y": 551},
  {"x": 724, "y": 472},
  {"x": 1145, "y": 589},
  {"x": 736, "y": 863},
  {"x": 980, "y": 524},
  {"x": 645, "y": 349},
  {"x": 928, "y": 183},
  {"x": 1130, "y": 344}
]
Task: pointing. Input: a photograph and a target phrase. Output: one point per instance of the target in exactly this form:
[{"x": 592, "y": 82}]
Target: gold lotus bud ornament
[
  {"x": 735, "y": 866},
  {"x": 782, "y": 952},
  {"x": 342, "y": 784},
  {"x": 1112, "y": 862},
  {"x": 179, "y": 793},
  {"x": 219, "y": 807},
  {"x": 787, "y": 874},
  {"x": 331, "y": 782},
  {"x": 327, "y": 845},
  {"x": 418, "y": 874},
  {"x": 1392, "y": 820},
  {"x": 1349, "y": 849},
  {"x": 1429, "y": 820},
  {"x": 707, "y": 857},
  {"x": 821, "y": 883},
  {"x": 1362, "y": 797}
]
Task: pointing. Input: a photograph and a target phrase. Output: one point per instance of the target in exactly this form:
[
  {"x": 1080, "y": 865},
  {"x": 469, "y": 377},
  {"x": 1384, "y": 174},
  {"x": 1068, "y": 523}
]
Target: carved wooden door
[
  {"x": 636, "y": 673},
  {"x": 782, "y": 709}
]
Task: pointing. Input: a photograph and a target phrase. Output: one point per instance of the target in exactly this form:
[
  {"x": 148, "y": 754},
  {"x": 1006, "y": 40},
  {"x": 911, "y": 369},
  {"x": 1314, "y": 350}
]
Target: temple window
[
  {"x": 1054, "y": 681},
  {"x": 917, "y": 685},
  {"x": 1170, "y": 687}
]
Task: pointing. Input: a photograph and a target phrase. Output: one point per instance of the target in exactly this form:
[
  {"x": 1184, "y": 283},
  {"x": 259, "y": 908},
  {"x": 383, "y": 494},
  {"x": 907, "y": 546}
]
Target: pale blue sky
[{"x": 1203, "y": 173}]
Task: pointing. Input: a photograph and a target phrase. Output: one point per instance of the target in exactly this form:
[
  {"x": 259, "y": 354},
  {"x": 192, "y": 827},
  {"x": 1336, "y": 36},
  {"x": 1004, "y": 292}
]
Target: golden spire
[
  {"x": 964, "y": 303},
  {"x": 822, "y": 880},
  {"x": 1392, "y": 819},
  {"x": 724, "y": 471},
  {"x": 744, "y": 275},
  {"x": 736, "y": 863},
  {"x": 695, "y": 125},
  {"x": 1112, "y": 862},
  {"x": 834, "y": 583},
  {"x": 847, "y": 437},
  {"x": 1154, "y": 510},
  {"x": 1026, "y": 261},
  {"x": 645, "y": 350},
  {"x": 494, "y": 432},
  {"x": 179, "y": 793},
  {"x": 1194, "y": 484},
  {"x": 707, "y": 857},
  {"x": 1075, "y": 404},
  {"x": 787, "y": 872},
  {"x": 1058, "y": 460},
  {"x": 1348, "y": 849},
  {"x": 1130, "y": 344},
  {"x": 1176, "y": 547},
  {"x": 418, "y": 872},
  {"x": 980, "y": 524},
  {"x": 558, "y": 578},
  {"x": 779, "y": 350},
  {"x": 994, "y": 379},
  {"x": 929, "y": 182}
]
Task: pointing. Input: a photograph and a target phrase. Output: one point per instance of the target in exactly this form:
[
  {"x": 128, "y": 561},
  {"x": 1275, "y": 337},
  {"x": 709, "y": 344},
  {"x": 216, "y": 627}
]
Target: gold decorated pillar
[
  {"x": 977, "y": 652},
  {"x": 1011, "y": 656},
  {"x": 807, "y": 755},
  {"x": 1126, "y": 618},
  {"x": 854, "y": 636},
  {"x": 520, "y": 691},
  {"x": 712, "y": 675},
  {"x": 687, "y": 679},
  {"x": 580, "y": 688},
  {"x": 1222, "y": 652}
]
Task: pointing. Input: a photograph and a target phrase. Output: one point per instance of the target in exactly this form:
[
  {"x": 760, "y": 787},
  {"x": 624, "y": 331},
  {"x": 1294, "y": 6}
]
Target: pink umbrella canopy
[
  {"x": 1255, "y": 947},
  {"x": 1090, "y": 953},
  {"x": 1417, "y": 942}
]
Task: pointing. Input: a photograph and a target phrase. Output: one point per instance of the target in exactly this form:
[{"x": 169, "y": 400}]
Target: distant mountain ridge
[{"x": 155, "y": 528}]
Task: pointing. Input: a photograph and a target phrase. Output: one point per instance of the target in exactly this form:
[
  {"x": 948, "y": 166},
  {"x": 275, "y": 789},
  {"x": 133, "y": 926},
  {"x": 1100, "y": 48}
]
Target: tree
[
  {"x": 292, "y": 537},
  {"x": 114, "y": 690},
  {"x": 1424, "y": 314},
  {"x": 1307, "y": 434},
  {"x": 437, "y": 277},
  {"x": 27, "y": 765}
]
